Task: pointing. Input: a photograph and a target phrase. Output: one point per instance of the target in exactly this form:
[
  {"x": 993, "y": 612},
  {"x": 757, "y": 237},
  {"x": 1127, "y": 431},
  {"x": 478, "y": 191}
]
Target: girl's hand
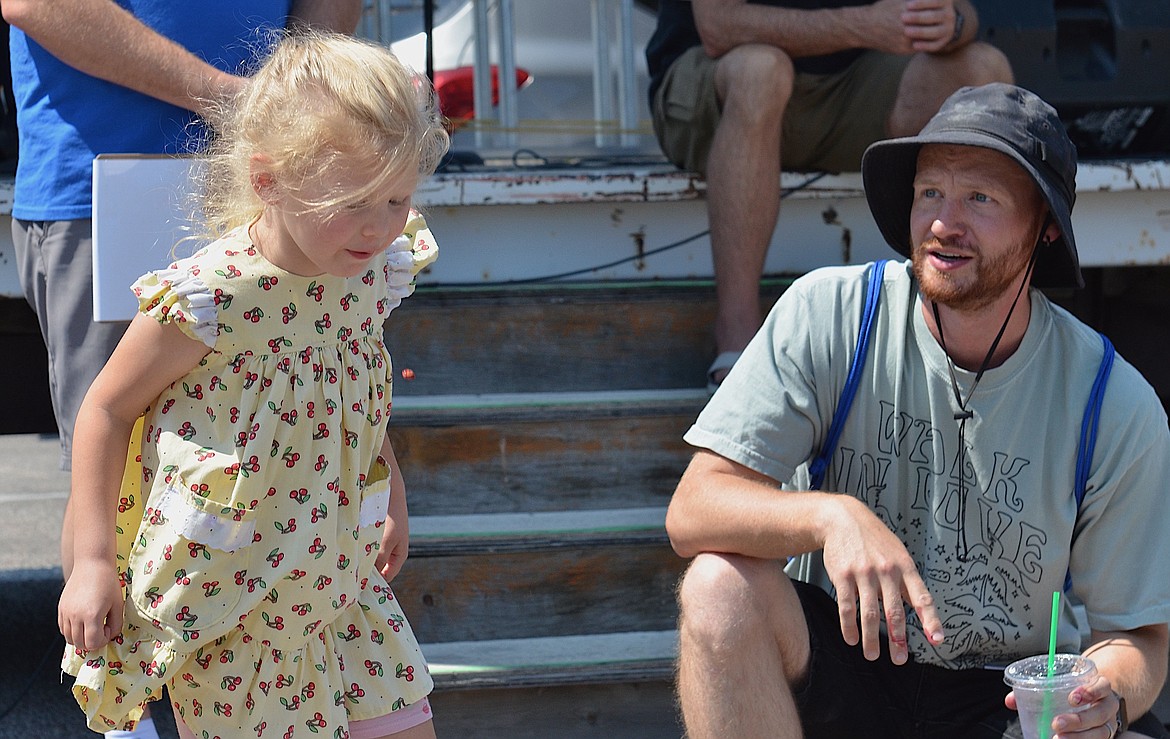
[
  {"x": 396, "y": 530},
  {"x": 395, "y": 547},
  {"x": 89, "y": 613}
]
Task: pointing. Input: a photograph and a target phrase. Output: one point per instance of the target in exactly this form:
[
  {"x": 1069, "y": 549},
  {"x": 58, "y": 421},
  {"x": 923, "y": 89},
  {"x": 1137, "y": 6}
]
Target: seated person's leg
[
  {"x": 742, "y": 641},
  {"x": 722, "y": 119},
  {"x": 931, "y": 78}
]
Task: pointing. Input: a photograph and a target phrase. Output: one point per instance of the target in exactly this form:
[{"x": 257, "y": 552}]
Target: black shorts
[{"x": 847, "y": 695}]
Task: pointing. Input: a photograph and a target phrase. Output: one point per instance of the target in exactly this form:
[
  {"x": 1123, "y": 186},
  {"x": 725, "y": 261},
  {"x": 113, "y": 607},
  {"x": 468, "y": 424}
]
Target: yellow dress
[{"x": 253, "y": 506}]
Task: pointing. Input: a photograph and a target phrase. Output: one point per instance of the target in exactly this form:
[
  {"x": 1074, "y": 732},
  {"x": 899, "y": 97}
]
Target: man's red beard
[{"x": 985, "y": 279}]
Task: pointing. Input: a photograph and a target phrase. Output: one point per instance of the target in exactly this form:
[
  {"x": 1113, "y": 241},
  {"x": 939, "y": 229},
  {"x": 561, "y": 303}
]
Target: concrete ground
[{"x": 35, "y": 701}]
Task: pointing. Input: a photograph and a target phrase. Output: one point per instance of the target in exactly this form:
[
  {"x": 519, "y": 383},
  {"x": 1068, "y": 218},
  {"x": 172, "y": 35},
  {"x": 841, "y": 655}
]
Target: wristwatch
[
  {"x": 960, "y": 19},
  {"x": 1122, "y": 718}
]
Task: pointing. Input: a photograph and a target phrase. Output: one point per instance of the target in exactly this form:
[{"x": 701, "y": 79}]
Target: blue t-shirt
[{"x": 66, "y": 117}]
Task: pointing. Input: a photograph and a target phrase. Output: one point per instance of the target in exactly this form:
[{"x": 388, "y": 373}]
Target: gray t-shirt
[{"x": 992, "y": 561}]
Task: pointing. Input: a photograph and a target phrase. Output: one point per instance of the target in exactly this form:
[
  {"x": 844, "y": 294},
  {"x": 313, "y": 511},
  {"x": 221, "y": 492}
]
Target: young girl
[{"x": 242, "y": 557}]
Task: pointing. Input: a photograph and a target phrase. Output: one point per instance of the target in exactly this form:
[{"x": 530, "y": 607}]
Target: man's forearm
[
  {"x": 726, "y": 24},
  {"x": 104, "y": 40},
  {"x": 1135, "y": 663},
  {"x": 970, "y": 24}
]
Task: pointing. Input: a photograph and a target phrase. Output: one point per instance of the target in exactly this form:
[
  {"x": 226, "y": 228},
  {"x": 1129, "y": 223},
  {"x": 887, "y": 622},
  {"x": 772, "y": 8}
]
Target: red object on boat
[{"x": 456, "y": 91}]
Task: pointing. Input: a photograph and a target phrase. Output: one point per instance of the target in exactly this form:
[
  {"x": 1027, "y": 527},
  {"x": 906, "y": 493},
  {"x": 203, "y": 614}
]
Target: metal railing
[{"x": 616, "y": 97}]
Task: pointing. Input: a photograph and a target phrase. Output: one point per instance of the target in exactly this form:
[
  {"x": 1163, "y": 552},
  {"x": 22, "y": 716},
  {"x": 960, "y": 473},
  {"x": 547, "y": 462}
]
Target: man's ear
[
  {"x": 263, "y": 180},
  {"x": 1051, "y": 234}
]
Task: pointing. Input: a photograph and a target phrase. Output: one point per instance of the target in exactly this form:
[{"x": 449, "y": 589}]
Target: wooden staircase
[{"x": 540, "y": 439}]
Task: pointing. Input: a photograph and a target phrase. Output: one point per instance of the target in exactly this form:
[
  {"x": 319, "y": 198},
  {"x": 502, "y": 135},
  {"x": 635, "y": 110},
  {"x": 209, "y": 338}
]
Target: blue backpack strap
[
  {"x": 873, "y": 296},
  {"x": 1088, "y": 440}
]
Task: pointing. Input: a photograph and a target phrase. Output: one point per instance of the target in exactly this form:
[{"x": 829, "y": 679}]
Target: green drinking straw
[{"x": 1046, "y": 714}]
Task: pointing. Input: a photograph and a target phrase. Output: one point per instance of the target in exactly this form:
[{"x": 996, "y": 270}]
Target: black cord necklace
[{"x": 964, "y": 413}]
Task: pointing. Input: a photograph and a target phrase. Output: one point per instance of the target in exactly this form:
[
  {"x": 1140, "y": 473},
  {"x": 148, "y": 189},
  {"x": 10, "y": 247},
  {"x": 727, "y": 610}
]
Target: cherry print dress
[{"x": 252, "y": 510}]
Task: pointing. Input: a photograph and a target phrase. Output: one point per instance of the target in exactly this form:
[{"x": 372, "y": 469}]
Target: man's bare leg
[
  {"x": 743, "y": 641},
  {"x": 754, "y": 84},
  {"x": 930, "y": 79}
]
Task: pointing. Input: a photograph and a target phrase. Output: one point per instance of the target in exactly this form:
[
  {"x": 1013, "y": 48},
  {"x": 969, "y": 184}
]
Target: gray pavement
[{"x": 35, "y": 702}]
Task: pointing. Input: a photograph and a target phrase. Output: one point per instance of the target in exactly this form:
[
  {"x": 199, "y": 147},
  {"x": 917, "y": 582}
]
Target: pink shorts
[{"x": 409, "y": 717}]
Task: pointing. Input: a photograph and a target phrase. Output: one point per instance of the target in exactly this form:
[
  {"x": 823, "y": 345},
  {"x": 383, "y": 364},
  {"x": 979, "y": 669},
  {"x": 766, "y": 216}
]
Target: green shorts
[{"x": 829, "y": 122}]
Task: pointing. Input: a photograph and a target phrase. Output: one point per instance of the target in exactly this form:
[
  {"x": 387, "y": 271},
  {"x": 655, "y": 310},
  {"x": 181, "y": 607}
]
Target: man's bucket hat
[{"x": 998, "y": 116}]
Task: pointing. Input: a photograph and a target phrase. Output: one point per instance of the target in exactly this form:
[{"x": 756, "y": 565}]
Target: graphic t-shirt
[{"x": 993, "y": 556}]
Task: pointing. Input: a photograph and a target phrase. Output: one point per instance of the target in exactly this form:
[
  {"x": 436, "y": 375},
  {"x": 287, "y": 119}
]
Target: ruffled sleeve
[
  {"x": 422, "y": 244},
  {"x": 175, "y": 295}
]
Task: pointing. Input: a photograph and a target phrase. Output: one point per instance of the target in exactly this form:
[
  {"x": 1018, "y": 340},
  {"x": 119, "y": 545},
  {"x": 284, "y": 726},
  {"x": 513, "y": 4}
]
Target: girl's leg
[
  {"x": 144, "y": 729},
  {"x": 184, "y": 732},
  {"x": 422, "y": 731},
  {"x": 425, "y": 730}
]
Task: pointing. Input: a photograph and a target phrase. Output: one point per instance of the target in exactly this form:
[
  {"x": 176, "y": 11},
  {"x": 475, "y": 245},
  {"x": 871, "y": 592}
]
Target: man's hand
[
  {"x": 929, "y": 25},
  {"x": 872, "y": 572},
  {"x": 1101, "y": 712},
  {"x": 910, "y": 26}
]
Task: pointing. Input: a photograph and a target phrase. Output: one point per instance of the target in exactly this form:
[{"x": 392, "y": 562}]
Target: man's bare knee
[
  {"x": 983, "y": 64},
  {"x": 729, "y": 603},
  {"x": 930, "y": 79},
  {"x": 755, "y": 78}
]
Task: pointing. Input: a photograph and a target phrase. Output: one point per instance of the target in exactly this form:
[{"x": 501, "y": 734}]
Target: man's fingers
[
  {"x": 847, "y": 611},
  {"x": 895, "y": 620},
  {"x": 922, "y": 602},
  {"x": 870, "y": 608}
]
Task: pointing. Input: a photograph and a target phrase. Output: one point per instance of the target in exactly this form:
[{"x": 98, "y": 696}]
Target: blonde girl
[{"x": 241, "y": 555}]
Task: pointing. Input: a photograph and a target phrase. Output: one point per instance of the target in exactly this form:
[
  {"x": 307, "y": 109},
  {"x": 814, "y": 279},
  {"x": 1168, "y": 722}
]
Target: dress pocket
[
  {"x": 206, "y": 522},
  {"x": 192, "y": 564},
  {"x": 375, "y": 495}
]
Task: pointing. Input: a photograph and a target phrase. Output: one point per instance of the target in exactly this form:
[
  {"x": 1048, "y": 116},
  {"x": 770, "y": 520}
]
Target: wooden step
[
  {"x": 537, "y": 338},
  {"x": 542, "y": 451},
  {"x": 618, "y": 686},
  {"x": 534, "y": 662},
  {"x": 504, "y": 576},
  {"x": 438, "y": 536}
]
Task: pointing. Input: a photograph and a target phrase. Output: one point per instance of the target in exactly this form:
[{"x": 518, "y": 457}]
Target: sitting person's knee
[
  {"x": 725, "y": 581},
  {"x": 984, "y": 64},
  {"x": 760, "y": 75}
]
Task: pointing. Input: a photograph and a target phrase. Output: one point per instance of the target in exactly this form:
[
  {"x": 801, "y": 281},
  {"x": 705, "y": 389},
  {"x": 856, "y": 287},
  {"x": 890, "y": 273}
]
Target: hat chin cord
[{"x": 964, "y": 412}]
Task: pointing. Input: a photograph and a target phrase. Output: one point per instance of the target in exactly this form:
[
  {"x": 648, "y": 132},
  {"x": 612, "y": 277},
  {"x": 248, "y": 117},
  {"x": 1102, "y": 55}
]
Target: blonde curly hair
[{"x": 319, "y": 101}]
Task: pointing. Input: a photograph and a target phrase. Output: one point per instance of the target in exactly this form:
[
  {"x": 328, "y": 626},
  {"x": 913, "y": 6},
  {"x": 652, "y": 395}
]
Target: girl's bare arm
[{"x": 149, "y": 358}]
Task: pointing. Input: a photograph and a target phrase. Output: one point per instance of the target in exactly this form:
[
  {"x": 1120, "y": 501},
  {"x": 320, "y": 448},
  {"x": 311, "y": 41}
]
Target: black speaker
[{"x": 1103, "y": 64}]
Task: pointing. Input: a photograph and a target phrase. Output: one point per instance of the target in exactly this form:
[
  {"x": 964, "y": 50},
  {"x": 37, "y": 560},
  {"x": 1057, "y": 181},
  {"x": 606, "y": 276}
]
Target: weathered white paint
[{"x": 530, "y": 223}]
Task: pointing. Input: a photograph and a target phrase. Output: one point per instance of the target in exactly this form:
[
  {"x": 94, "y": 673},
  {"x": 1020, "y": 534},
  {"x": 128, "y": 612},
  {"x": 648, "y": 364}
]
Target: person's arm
[
  {"x": 104, "y": 40},
  {"x": 1131, "y": 664},
  {"x": 722, "y": 506},
  {"x": 1134, "y": 662},
  {"x": 893, "y": 26},
  {"x": 934, "y": 26},
  {"x": 334, "y": 15},
  {"x": 149, "y": 358},
  {"x": 396, "y": 532}
]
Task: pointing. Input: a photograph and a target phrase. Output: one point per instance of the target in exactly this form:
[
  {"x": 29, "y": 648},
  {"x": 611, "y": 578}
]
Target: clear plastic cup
[{"x": 1041, "y": 698}]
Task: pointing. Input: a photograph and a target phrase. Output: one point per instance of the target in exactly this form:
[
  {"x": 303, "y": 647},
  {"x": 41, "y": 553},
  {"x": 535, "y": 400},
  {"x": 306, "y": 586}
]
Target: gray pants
[{"x": 56, "y": 273}]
